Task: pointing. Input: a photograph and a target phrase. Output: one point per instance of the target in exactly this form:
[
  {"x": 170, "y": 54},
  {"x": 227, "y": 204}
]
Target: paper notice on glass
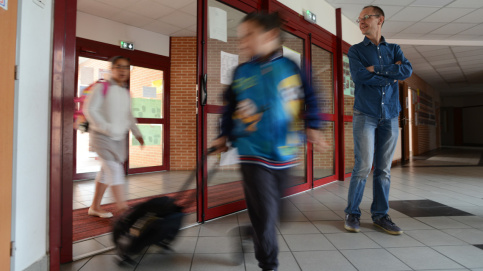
[
  {"x": 4, "y": 4},
  {"x": 228, "y": 64},
  {"x": 293, "y": 55},
  {"x": 86, "y": 75},
  {"x": 229, "y": 158},
  {"x": 149, "y": 92},
  {"x": 218, "y": 24}
]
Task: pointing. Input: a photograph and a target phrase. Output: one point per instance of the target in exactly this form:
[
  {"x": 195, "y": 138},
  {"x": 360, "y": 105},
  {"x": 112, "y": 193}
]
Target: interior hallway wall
[
  {"x": 31, "y": 151},
  {"x": 426, "y": 137},
  {"x": 111, "y": 32},
  {"x": 183, "y": 103}
]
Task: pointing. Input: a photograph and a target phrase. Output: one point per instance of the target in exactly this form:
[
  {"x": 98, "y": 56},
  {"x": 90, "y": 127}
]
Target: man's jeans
[{"x": 374, "y": 140}]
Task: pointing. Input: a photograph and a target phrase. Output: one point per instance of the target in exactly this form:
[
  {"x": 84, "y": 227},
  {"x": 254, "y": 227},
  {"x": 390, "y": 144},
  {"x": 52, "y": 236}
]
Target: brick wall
[
  {"x": 183, "y": 103},
  {"x": 425, "y": 137}
]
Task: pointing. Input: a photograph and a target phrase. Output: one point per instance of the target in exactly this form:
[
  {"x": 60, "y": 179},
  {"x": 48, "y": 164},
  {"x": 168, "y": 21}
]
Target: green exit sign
[
  {"x": 310, "y": 16},
  {"x": 127, "y": 45}
]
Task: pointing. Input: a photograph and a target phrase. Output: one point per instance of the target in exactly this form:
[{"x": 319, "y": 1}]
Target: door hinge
[
  {"x": 16, "y": 72},
  {"x": 12, "y": 248}
]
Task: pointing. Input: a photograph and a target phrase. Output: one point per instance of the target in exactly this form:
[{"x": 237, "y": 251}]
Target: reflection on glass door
[
  {"x": 89, "y": 71},
  {"x": 349, "y": 88},
  {"x": 323, "y": 85},
  {"x": 226, "y": 186},
  {"x": 293, "y": 48}
]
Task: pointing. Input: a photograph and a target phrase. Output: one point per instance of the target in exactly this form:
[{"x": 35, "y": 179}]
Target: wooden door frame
[
  {"x": 8, "y": 31},
  {"x": 404, "y": 120}
]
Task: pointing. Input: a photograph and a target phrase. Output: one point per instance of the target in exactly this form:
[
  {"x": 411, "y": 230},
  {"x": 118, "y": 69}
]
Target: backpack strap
[{"x": 105, "y": 85}]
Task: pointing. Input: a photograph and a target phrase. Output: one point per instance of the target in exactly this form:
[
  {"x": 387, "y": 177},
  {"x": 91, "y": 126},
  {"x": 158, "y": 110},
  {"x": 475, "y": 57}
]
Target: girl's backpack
[{"x": 80, "y": 121}]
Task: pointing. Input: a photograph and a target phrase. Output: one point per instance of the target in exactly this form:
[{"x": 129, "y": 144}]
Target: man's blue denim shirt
[{"x": 376, "y": 93}]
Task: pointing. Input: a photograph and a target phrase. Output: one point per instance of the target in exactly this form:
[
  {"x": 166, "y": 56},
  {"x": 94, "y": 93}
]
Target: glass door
[
  {"x": 147, "y": 87},
  {"x": 224, "y": 190},
  {"x": 322, "y": 64},
  {"x": 89, "y": 70}
]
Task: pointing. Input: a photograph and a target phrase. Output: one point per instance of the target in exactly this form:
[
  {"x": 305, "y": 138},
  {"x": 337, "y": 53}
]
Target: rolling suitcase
[{"x": 154, "y": 222}]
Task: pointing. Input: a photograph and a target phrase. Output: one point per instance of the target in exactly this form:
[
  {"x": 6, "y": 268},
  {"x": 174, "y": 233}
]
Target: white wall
[
  {"x": 111, "y": 32},
  {"x": 326, "y": 18},
  {"x": 32, "y": 128}
]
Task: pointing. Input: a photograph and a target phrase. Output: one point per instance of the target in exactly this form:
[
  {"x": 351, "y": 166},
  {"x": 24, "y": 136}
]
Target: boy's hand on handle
[
  {"x": 398, "y": 62},
  {"x": 219, "y": 144},
  {"x": 317, "y": 139}
]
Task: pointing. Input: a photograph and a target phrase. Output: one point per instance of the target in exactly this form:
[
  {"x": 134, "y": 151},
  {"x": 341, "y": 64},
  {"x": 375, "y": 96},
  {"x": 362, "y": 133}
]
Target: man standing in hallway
[{"x": 375, "y": 67}]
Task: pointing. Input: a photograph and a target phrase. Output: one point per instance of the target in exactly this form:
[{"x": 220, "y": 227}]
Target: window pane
[
  {"x": 323, "y": 78},
  {"x": 147, "y": 92},
  {"x": 349, "y": 147},
  {"x": 324, "y": 162},
  {"x": 349, "y": 88},
  {"x": 152, "y": 153}
]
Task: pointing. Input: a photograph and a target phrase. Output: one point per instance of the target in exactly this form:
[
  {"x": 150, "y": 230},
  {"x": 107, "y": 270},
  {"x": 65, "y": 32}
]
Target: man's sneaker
[
  {"x": 352, "y": 223},
  {"x": 387, "y": 225}
]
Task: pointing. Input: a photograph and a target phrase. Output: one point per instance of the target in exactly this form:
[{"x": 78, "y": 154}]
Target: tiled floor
[{"x": 313, "y": 237}]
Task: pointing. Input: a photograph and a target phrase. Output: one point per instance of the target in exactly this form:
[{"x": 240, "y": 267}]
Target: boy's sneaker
[
  {"x": 387, "y": 225},
  {"x": 352, "y": 223}
]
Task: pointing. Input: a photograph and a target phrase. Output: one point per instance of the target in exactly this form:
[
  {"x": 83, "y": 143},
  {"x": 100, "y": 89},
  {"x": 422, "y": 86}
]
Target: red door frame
[
  {"x": 205, "y": 213},
  {"x": 103, "y": 51}
]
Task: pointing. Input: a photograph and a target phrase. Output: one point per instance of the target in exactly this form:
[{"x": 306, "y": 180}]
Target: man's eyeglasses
[{"x": 366, "y": 17}]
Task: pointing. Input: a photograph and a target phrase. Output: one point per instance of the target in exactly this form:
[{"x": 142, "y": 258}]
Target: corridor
[{"x": 437, "y": 199}]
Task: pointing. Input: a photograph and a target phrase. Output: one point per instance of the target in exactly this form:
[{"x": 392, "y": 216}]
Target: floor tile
[
  {"x": 364, "y": 259},
  {"x": 218, "y": 229},
  {"x": 84, "y": 247},
  {"x": 191, "y": 231},
  {"x": 473, "y": 221},
  {"x": 351, "y": 241},
  {"x": 218, "y": 245},
  {"x": 105, "y": 240},
  {"x": 425, "y": 208},
  {"x": 172, "y": 262},
  {"x": 330, "y": 226},
  {"x": 215, "y": 262},
  {"x": 441, "y": 222},
  {"x": 181, "y": 244},
  {"x": 286, "y": 260},
  {"x": 297, "y": 228},
  {"x": 105, "y": 262},
  {"x": 323, "y": 261},
  {"x": 435, "y": 238},
  {"x": 408, "y": 223},
  {"x": 472, "y": 236},
  {"x": 322, "y": 215},
  {"x": 74, "y": 266},
  {"x": 282, "y": 245},
  {"x": 423, "y": 258},
  {"x": 468, "y": 256},
  {"x": 308, "y": 242},
  {"x": 387, "y": 240}
]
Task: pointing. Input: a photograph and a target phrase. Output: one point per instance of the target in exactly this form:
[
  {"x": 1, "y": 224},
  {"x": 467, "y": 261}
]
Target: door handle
[{"x": 204, "y": 91}]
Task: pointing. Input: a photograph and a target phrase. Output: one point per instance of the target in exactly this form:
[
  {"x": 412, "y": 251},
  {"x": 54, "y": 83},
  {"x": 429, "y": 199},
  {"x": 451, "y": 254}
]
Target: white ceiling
[
  {"x": 176, "y": 18},
  {"x": 451, "y": 28},
  {"x": 450, "y": 61}
]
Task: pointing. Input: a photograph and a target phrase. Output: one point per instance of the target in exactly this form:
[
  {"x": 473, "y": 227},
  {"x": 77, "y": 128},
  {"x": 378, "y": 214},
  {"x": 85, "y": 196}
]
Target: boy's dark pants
[{"x": 263, "y": 191}]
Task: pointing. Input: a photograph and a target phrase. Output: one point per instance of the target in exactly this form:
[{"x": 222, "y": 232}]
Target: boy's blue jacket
[{"x": 265, "y": 106}]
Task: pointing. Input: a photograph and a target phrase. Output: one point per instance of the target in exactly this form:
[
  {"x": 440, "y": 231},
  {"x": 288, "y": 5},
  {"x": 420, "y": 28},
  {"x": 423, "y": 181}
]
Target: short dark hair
[
  {"x": 268, "y": 21},
  {"x": 377, "y": 11},
  {"x": 115, "y": 59}
]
